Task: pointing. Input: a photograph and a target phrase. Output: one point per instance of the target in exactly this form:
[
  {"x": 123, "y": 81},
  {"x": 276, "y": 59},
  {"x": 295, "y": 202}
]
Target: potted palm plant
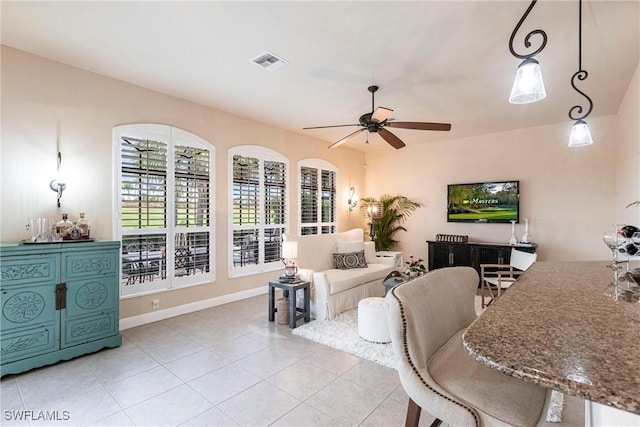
[{"x": 393, "y": 211}]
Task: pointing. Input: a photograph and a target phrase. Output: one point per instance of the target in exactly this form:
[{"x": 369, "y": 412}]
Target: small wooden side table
[{"x": 295, "y": 312}]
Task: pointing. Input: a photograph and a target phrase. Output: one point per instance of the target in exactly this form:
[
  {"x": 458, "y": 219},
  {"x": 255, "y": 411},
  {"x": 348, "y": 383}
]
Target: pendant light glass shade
[
  {"x": 580, "y": 134},
  {"x": 528, "y": 85}
]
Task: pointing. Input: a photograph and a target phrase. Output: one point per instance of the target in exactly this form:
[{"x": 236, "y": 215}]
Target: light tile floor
[{"x": 224, "y": 366}]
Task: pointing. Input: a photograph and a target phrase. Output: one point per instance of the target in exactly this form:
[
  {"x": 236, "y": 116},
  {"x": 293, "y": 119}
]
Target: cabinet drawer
[
  {"x": 28, "y": 342},
  {"x": 92, "y": 295},
  {"x": 84, "y": 329},
  {"x": 27, "y": 306},
  {"x": 27, "y": 270},
  {"x": 92, "y": 263}
]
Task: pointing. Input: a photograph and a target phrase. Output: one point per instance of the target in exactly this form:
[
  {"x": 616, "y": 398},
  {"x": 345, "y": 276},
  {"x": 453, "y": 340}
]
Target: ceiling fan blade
[
  {"x": 391, "y": 138},
  {"x": 346, "y": 138},
  {"x": 332, "y": 126},
  {"x": 381, "y": 114},
  {"x": 420, "y": 125}
]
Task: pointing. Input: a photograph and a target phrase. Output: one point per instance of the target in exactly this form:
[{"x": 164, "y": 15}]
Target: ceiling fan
[{"x": 379, "y": 119}]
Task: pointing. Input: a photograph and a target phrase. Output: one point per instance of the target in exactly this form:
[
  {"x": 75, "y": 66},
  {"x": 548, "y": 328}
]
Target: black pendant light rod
[
  {"x": 580, "y": 75},
  {"x": 527, "y": 42}
]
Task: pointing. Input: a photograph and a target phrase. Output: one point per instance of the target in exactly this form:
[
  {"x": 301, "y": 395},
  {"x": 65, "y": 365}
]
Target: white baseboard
[{"x": 143, "y": 319}]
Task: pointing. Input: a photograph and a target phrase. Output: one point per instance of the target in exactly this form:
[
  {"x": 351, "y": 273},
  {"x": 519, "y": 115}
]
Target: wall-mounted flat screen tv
[{"x": 484, "y": 202}]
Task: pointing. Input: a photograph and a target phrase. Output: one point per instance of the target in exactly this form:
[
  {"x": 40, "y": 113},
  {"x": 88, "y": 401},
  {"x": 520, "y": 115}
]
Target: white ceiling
[{"x": 435, "y": 61}]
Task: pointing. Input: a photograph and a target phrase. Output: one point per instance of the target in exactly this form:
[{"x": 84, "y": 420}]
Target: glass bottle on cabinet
[
  {"x": 64, "y": 226},
  {"x": 84, "y": 225}
]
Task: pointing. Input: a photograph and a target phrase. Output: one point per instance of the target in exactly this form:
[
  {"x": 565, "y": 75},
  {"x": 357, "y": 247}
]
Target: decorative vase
[
  {"x": 290, "y": 269},
  {"x": 513, "y": 239},
  {"x": 526, "y": 237},
  {"x": 283, "y": 311}
]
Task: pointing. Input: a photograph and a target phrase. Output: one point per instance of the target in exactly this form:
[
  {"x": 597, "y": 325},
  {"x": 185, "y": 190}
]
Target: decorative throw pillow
[{"x": 350, "y": 260}]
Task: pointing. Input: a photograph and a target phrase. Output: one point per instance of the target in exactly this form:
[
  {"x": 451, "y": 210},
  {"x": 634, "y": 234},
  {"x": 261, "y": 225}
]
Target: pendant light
[
  {"x": 528, "y": 85},
  {"x": 580, "y": 135}
]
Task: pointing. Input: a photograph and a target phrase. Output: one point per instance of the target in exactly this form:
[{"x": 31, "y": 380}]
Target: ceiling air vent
[{"x": 269, "y": 61}]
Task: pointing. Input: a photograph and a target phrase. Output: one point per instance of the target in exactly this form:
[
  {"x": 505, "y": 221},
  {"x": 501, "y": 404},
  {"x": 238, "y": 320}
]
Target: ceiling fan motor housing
[{"x": 371, "y": 125}]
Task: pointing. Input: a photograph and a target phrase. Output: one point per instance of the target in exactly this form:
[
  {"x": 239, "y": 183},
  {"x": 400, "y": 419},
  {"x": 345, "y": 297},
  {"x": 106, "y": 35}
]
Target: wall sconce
[
  {"x": 58, "y": 185},
  {"x": 373, "y": 210},
  {"x": 528, "y": 85},
  {"x": 580, "y": 134},
  {"x": 353, "y": 199}
]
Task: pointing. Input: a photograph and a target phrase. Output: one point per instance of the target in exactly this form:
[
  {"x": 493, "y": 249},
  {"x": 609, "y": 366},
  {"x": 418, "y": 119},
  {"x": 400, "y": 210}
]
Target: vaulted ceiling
[{"x": 435, "y": 61}]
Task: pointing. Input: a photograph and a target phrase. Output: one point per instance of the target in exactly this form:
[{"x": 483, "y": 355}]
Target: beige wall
[
  {"x": 568, "y": 195},
  {"x": 627, "y": 142},
  {"x": 43, "y": 100}
]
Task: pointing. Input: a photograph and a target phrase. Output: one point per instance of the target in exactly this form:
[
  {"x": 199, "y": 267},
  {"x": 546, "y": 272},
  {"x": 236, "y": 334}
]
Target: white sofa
[{"x": 334, "y": 291}]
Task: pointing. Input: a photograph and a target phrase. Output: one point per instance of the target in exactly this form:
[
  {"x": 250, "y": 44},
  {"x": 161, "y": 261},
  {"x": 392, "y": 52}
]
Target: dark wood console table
[{"x": 450, "y": 254}]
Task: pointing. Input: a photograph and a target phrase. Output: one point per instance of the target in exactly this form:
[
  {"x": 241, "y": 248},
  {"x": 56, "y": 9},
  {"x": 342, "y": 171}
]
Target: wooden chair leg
[{"x": 413, "y": 414}]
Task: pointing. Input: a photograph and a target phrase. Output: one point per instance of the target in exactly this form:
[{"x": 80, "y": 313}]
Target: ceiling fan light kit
[{"x": 377, "y": 120}]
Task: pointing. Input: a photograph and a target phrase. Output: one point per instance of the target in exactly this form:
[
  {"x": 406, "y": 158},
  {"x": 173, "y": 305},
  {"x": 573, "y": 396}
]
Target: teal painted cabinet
[{"x": 58, "y": 301}]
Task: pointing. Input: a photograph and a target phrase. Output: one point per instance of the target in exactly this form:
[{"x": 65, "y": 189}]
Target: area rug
[{"x": 342, "y": 334}]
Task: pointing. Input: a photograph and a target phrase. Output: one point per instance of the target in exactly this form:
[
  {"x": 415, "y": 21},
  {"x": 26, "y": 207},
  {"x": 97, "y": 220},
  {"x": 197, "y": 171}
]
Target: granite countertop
[{"x": 555, "y": 327}]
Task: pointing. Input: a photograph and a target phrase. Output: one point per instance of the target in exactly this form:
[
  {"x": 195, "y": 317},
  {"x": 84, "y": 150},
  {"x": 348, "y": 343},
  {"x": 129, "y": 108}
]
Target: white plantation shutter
[
  {"x": 192, "y": 171},
  {"x": 309, "y": 200},
  {"x": 275, "y": 186},
  {"x": 328, "y": 201},
  {"x": 143, "y": 183},
  {"x": 163, "y": 208},
  {"x": 318, "y": 209},
  {"x": 258, "y": 209}
]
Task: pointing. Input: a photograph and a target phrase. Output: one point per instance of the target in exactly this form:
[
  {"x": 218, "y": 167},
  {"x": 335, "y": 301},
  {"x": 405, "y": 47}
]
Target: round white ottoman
[{"x": 372, "y": 320}]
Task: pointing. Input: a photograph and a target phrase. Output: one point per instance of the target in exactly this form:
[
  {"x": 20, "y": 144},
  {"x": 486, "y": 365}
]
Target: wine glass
[{"x": 613, "y": 239}]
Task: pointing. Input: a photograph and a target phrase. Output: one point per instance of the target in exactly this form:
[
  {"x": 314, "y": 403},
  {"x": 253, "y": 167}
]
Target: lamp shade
[
  {"x": 580, "y": 134},
  {"x": 289, "y": 250},
  {"x": 373, "y": 209},
  {"x": 528, "y": 85}
]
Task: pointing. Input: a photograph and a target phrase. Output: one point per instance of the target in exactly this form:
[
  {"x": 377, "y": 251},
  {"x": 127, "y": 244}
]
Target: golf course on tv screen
[{"x": 483, "y": 202}]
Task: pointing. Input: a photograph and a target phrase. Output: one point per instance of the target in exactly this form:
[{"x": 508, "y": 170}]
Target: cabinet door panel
[
  {"x": 438, "y": 255},
  {"x": 90, "y": 264},
  {"x": 446, "y": 254},
  {"x": 85, "y": 329},
  {"x": 92, "y": 295},
  {"x": 26, "y": 270},
  {"x": 31, "y": 342},
  {"x": 27, "y": 306},
  {"x": 492, "y": 255}
]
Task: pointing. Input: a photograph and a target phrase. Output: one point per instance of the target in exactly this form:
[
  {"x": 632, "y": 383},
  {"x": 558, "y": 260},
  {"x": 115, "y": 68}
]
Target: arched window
[
  {"x": 164, "y": 204},
  {"x": 258, "y": 209},
  {"x": 317, "y": 183}
]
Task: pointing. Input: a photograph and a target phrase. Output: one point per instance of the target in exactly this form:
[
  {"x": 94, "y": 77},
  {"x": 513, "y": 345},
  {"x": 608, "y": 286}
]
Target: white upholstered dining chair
[
  {"x": 496, "y": 278},
  {"x": 427, "y": 319}
]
